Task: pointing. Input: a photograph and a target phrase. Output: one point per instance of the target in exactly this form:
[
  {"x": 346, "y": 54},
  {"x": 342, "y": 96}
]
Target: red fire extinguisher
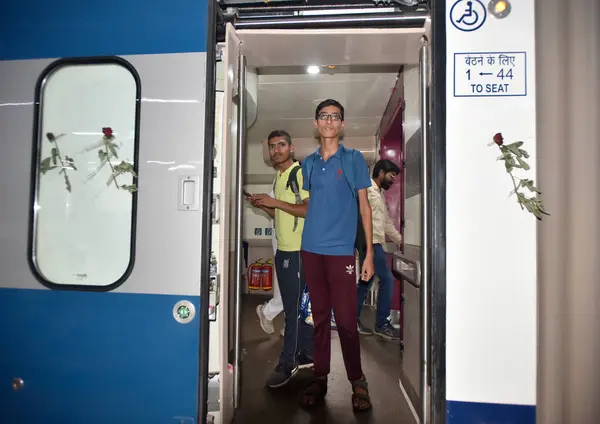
[
  {"x": 266, "y": 280},
  {"x": 254, "y": 275}
]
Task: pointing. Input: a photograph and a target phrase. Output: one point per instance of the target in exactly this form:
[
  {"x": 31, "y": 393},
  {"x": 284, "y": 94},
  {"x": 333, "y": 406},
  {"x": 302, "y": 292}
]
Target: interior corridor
[{"x": 381, "y": 363}]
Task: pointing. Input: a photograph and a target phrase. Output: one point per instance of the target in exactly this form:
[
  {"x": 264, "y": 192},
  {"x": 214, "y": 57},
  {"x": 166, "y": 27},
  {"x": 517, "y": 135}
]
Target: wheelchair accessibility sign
[{"x": 468, "y": 15}]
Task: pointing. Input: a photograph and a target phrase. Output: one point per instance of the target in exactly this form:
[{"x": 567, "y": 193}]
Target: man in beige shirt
[{"x": 384, "y": 175}]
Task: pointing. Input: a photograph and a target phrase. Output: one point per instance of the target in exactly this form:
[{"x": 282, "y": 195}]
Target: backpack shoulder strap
[
  {"x": 348, "y": 156},
  {"x": 309, "y": 161},
  {"x": 348, "y": 168},
  {"x": 292, "y": 183}
]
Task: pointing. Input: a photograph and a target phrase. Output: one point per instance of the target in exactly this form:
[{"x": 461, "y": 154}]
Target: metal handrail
[
  {"x": 425, "y": 207},
  {"x": 239, "y": 255}
]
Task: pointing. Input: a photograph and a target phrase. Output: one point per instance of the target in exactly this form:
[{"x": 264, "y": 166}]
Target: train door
[
  {"x": 105, "y": 221},
  {"x": 234, "y": 128},
  {"x": 410, "y": 265},
  {"x": 230, "y": 231}
]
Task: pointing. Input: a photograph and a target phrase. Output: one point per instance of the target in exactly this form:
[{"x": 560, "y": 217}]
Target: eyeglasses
[{"x": 326, "y": 116}]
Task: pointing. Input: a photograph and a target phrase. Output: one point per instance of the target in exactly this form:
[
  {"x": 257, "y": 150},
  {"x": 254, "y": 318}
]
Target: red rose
[
  {"x": 498, "y": 139},
  {"x": 107, "y": 132}
]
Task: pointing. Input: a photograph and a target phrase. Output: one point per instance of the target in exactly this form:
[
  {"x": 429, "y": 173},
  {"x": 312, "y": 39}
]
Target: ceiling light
[
  {"x": 499, "y": 8},
  {"x": 313, "y": 69}
]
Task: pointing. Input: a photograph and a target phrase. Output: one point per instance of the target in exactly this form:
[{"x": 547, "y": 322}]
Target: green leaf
[
  {"x": 101, "y": 154},
  {"x": 70, "y": 162},
  {"x": 43, "y": 171},
  {"x": 541, "y": 207},
  {"x": 528, "y": 184},
  {"x": 130, "y": 188},
  {"x": 505, "y": 156},
  {"x": 113, "y": 149},
  {"x": 536, "y": 211},
  {"x": 510, "y": 164},
  {"x": 46, "y": 166},
  {"x": 516, "y": 144},
  {"x": 125, "y": 167},
  {"x": 50, "y": 136},
  {"x": 523, "y": 164},
  {"x": 524, "y": 153}
]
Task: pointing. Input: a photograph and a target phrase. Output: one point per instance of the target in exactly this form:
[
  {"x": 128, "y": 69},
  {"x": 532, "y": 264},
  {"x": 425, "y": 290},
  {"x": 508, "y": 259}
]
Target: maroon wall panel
[{"x": 392, "y": 148}]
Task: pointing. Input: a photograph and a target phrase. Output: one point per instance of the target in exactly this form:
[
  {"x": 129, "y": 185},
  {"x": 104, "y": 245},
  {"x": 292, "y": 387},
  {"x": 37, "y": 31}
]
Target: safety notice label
[{"x": 491, "y": 74}]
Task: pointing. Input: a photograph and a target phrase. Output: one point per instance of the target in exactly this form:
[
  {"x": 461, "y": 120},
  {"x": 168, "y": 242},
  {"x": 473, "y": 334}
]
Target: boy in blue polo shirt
[{"x": 335, "y": 177}]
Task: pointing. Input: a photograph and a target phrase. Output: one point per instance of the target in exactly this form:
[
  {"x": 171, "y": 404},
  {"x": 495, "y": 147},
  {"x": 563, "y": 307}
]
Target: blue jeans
[
  {"x": 298, "y": 336},
  {"x": 386, "y": 285}
]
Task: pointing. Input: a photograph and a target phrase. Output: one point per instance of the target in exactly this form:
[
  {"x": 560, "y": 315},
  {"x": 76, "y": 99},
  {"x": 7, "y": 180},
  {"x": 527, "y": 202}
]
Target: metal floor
[{"x": 381, "y": 364}]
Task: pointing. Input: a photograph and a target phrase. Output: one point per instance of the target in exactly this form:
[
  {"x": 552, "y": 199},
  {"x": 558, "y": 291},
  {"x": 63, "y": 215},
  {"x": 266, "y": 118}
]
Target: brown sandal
[
  {"x": 314, "y": 393},
  {"x": 361, "y": 401}
]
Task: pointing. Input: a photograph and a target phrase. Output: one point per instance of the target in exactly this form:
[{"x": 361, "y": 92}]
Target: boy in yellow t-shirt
[{"x": 288, "y": 208}]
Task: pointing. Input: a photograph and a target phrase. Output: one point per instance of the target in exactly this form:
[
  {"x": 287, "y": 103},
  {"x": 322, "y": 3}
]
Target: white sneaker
[{"x": 265, "y": 324}]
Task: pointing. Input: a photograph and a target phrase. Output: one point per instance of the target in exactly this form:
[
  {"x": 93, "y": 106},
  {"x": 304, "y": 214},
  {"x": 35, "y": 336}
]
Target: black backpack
[{"x": 361, "y": 240}]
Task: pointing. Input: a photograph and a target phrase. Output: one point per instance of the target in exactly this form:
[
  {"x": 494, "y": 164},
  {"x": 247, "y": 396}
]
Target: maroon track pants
[{"x": 331, "y": 283}]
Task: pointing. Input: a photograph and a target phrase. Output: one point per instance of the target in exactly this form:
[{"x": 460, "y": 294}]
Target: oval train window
[{"x": 86, "y": 179}]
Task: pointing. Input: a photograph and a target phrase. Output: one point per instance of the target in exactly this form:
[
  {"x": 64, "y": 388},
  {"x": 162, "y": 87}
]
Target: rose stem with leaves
[
  {"x": 54, "y": 140},
  {"x": 107, "y": 137},
  {"x": 514, "y": 157}
]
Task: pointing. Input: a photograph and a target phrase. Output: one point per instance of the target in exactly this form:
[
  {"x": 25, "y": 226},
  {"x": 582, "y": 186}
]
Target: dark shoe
[
  {"x": 365, "y": 331},
  {"x": 361, "y": 401},
  {"x": 388, "y": 332},
  {"x": 281, "y": 376},
  {"x": 314, "y": 393},
  {"x": 304, "y": 361}
]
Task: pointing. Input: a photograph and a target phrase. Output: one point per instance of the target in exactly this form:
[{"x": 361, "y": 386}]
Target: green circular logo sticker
[{"x": 183, "y": 312}]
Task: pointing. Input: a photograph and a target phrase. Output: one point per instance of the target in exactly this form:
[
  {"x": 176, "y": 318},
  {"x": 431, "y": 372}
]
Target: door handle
[
  {"x": 216, "y": 203},
  {"x": 189, "y": 193},
  {"x": 213, "y": 297}
]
